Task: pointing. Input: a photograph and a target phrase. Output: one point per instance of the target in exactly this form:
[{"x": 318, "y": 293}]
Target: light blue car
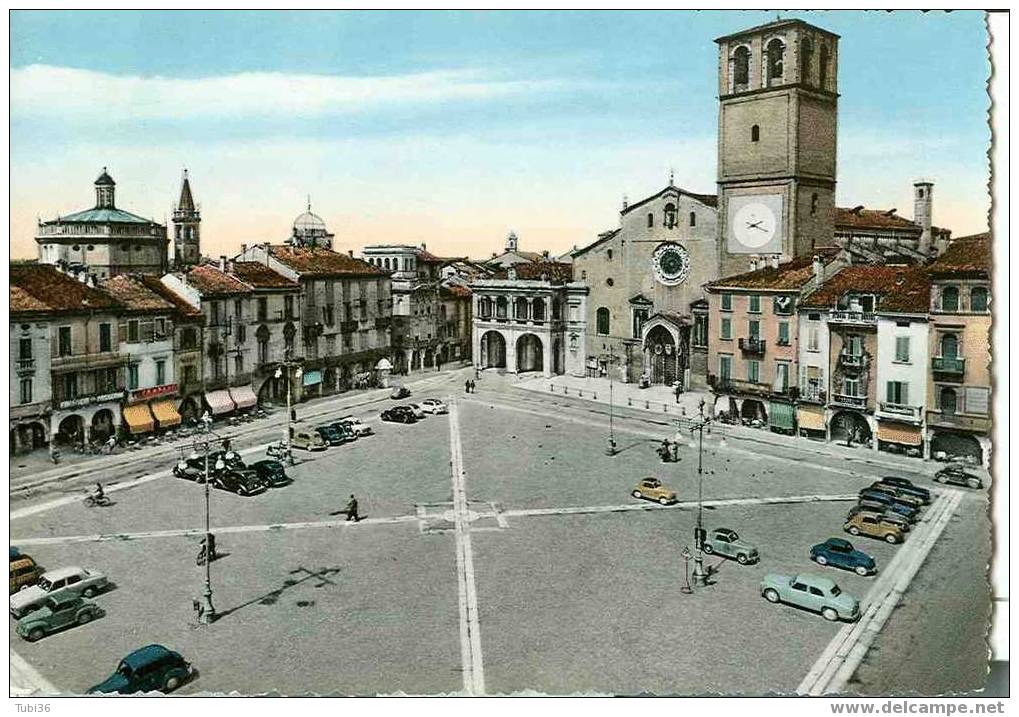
[{"x": 813, "y": 593}]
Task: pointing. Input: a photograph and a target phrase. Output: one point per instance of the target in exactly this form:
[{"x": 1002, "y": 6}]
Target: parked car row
[
  {"x": 413, "y": 412},
  {"x": 886, "y": 509},
  {"x": 228, "y": 471},
  {"x": 344, "y": 430}
]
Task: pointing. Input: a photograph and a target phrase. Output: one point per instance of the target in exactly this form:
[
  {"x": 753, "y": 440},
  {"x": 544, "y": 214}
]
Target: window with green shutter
[
  {"x": 783, "y": 333},
  {"x": 755, "y": 304},
  {"x": 753, "y": 371},
  {"x": 726, "y": 302},
  {"x": 726, "y": 328},
  {"x": 902, "y": 349}
]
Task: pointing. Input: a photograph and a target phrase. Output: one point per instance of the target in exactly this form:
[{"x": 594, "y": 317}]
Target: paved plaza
[{"x": 500, "y": 551}]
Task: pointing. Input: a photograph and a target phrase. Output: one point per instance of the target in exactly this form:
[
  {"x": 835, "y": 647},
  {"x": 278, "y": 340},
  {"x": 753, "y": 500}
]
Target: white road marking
[
  {"x": 626, "y": 507},
  {"x": 79, "y": 496},
  {"x": 470, "y": 623},
  {"x": 843, "y": 655},
  {"x": 26, "y": 680}
]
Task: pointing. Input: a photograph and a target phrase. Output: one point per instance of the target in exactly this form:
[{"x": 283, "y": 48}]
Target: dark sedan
[
  {"x": 953, "y": 475},
  {"x": 891, "y": 503},
  {"x": 840, "y": 553},
  {"x": 907, "y": 487},
  {"x": 272, "y": 472},
  {"x": 399, "y": 414},
  {"x": 331, "y": 435},
  {"x": 345, "y": 430},
  {"x": 242, "y": 482}
]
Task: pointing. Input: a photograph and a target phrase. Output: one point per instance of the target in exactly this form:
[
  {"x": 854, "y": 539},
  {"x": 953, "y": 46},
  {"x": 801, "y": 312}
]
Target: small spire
[
  {"x": 309, "y": 203},
  {"x": 672, "y": 177},
  {"x": 626, "y": 202}
]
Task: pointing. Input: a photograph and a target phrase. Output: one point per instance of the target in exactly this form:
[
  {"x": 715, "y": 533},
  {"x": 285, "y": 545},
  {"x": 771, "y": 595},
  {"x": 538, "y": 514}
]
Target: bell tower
[
  {"x": 777, "y": 121},
  {"x": 187, "y": 220}
]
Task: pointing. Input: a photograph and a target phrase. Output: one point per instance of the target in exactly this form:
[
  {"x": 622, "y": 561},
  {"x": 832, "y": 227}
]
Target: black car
[
  {"x": 953, "y": 475},
  {"x": 230, "y": 459},
  {"x": 331, "y": 435},
  {"x": 399, "y": 414},
  {"x": 881, "y": 512},
  {"x": 344, "y": 429},
  {"x": 193, "y": 468},
  {"x": 242, "y": 482},
  {"x": 890, "y": 503},
  {"x": 272, "y": 472},
  {"x": 907, "y": 487},
  {"x": 151, "y": 668},
  {"x": 914, "y": 501}
]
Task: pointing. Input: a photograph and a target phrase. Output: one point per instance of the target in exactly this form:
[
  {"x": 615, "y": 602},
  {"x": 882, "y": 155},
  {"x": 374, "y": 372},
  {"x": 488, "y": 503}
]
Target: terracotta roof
[
  {"x": 455, "y": 290},
  {"x": 965, "y": 255},
  {"x": 429, "y": 258},
  {"x": 862, "y": 218},
  {"x": 41, "y": 288},
  {"x": 211, "y": 282},
  {"x": 790, "y": 276},
  {"x": 183, "y": 307},
  {"x": 553, "y": 270},
  {"x": 898, "y": 288},
  {"x": 320, "y": 262},
  {"x": 260, "y": 276},
  {"x": 602, "y": 238},
  {"x": 134, "y": 294}
]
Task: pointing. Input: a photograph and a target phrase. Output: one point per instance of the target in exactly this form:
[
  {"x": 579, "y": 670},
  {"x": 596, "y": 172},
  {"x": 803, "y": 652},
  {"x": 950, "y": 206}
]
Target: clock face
[
  {"x": 755, "y": 224},
  {"x": 671, "y": 264}
]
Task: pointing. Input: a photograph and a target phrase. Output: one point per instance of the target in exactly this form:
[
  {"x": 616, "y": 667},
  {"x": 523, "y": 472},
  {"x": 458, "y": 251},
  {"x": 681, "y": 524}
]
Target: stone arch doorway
[
  {"x": 957, "y": 446},
  {"x": 662, "y": 358},
  {"x": 70, "y": 430},
  {"x": 493, "y": 350},
  {"x": 847, "y": 426},
  {"x": 28, "y": 437},
  {"x": 753, "y": 410},
  {"x": 102, "y": 425},
  {"x": 188, "y": 409},
  {"x": 529, "y": 354}
]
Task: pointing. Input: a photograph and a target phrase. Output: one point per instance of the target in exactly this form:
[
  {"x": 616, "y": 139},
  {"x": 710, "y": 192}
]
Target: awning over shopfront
[
  {"x": 219, "y": 402},
  {"x": 312, "y": 378},
  {"x": 139, "y": 418},
  {"x": 811, "y": 419},
  {"x": 899, "y": 433},
  {"x": 243, "y": 396},
  {"x": 783, "y": 415},
  {"x": 165, "y": 412}
]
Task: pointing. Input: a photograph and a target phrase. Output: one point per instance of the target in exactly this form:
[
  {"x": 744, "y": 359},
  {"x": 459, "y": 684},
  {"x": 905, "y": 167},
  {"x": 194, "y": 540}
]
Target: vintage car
[
  {"x": 813, "y": 593},
  {"x": 954, "y": 475},
  {"x": 399, "y": 392},
  {"x": 345, "y": 430},
  {"x": 840, "y": 553},
  {"x": 897, "y": 495},
  {"x": 652, "y": 489},
  {"x": 873, "y": 526},
  {"x": 907, "y": 487},
  {"x": 57, "y": 583},
  {"x": 244, "y": 482},
  {"x": 24, "y": 573},
  {"x": 308, "y": 441},
  {"x": 726, "y": 542},
  {"x": 399, "y": 414},
  {"x": 434, "y": 405},
  {"x": 356, "y": 425},
  {"x": 332, "y": 435},
  {"x": 148, "y": 669},
  {"x": 272, "y": 472},
  {"x": 880, "y": 511},
  {"x": 57, "y": 613},
  {"x": 909, "y": 512}
]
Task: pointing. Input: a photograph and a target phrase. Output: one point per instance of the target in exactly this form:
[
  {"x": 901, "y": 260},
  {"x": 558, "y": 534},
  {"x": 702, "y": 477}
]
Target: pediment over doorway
[{"x": 640, "y": 300}]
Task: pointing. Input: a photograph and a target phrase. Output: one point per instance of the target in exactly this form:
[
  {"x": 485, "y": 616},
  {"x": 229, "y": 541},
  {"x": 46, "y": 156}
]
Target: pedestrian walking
[
  {"x": 352, "y": 509},
  {"x": 467, "y": 386},
  {"x": 472, "y": 386}
]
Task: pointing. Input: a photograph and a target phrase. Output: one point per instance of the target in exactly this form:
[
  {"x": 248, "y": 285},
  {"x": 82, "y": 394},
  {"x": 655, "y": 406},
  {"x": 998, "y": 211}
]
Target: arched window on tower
[
  {"x": 740, "y": 68},
  {"x": 693, "y": 219},
  {"x": 806, "y": 57},
  {"x": 650, "y": 220},
  {"x": 670, "y": 215},
  {"x": 775, "y": 61},
  {"x": 755, "y": 133},
  {"x": 822, "y": 68},
  {"x": 602, "y": 321}
]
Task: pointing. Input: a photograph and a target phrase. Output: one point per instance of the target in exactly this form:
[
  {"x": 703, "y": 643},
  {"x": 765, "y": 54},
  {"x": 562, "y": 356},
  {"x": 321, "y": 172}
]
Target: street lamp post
[
  {"x": 700, "y": 577},
  {"x": 610, "y": 449},
  {"x": 287, "y": 365}
]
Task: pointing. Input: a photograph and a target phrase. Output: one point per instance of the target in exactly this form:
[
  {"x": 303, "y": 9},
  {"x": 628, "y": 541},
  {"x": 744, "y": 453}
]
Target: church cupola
[
  {"x": 511, "y": 242},
  {"x": 105, "y": 187}
]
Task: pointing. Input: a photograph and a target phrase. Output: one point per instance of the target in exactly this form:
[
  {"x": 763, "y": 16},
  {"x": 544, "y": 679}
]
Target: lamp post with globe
[{"x": 292, "y": 370}]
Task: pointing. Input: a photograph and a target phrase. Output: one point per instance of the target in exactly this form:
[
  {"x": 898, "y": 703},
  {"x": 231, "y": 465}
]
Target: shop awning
[
  {"x": 311, "y": 378},
  {"x": 165, "y": 412},
  {"x": 783, "y": 415},
  {"x": 899, "y": 433},
  {"x": 219, "y": 402},
  {"x": 811, "y": 419},
  {"x": 243, "y": 396},
  {"x": 139, "y": 418}
]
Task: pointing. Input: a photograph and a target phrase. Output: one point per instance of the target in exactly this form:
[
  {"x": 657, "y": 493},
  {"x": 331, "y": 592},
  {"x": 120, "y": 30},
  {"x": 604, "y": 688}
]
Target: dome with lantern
[{"x": 310, "y": 230}]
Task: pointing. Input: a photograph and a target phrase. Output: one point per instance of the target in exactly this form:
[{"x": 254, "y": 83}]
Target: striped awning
[
  {"x": 165, "y": 412},
  {"x": 139, "y": 418},
  {"x": 243, "y": 396},
  {"x": 219, "y": 402},
  {"x": 810, "y": 418},
  {"x": 899, "y": 433}
]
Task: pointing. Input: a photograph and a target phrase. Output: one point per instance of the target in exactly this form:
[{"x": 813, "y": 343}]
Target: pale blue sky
[{"x": 454, "y": 127}]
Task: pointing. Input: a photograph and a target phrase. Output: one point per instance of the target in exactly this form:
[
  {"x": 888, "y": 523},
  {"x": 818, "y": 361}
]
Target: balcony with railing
[
  {"x": 88, "y": 361},
  {"x": 813, "y": 394},
  {"x": 25, "y": 366},
  {"x": 900, "y": 412},
  {"x": 852, "y": 360},
  {"x": 852, "y": 316},
  {"x": 752, "y": 345},
  {"x": 841, "y": 399},
  {"x": 949, "y": 365}
]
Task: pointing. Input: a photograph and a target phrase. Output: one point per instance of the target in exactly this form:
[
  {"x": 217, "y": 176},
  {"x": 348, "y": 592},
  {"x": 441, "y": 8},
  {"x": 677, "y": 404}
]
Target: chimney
[
  {"x": 626, "y": 203},
  {"x": 818, "y": 269},
  {"x": 544, "y": 254},
  {"x": 230, "y": 265},
  {"x": 244, "y": 248},
  {"x": 423, "y": 247},
  {"x": 923, "y": 211},
  {"x": 350, "y": 252}
]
